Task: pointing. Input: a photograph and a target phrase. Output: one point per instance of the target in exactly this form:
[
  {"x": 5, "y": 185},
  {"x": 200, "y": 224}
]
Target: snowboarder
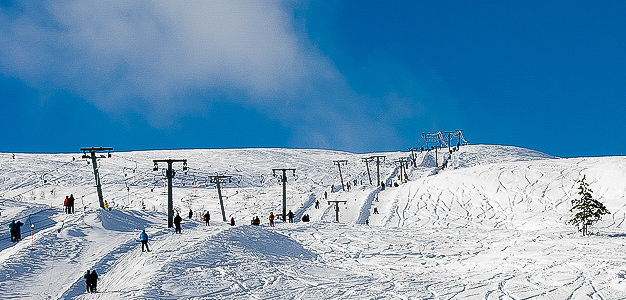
[
  {"x": 87, "y": 277},
  {"x": 207, "y": 217},
  {"x": 305, "y": 218},
  {"x": 232, "y": 221},
  {"x": 106, "y": 205},
  {"x": 70, "y": 204},
  {"x": 190, "y": 214},
  {"x": 143, "y": 237},
  {"x": 290, "y": 216},
  {"x": 177, "y": 220},
  {"x": 94, "y": 281},
  {"x": 271, "y": 219}
]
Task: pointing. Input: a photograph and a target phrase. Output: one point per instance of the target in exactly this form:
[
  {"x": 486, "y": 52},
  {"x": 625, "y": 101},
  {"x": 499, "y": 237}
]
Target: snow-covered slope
[{"x": 490, "y": 225}]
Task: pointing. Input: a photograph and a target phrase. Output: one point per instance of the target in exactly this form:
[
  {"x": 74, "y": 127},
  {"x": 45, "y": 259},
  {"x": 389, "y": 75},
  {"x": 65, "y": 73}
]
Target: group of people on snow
[
  {"x": 91, "y": 281},
  {"x": 68, "y": 204},
  {"x": 15, "y": 230}
]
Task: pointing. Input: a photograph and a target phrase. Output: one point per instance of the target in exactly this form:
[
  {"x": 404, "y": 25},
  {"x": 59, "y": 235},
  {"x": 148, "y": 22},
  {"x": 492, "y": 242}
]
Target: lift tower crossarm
[
  {"x": 94, "y": 160},
  {"x": 170, "y": 174},
  {"x": 284, "y": 181}
]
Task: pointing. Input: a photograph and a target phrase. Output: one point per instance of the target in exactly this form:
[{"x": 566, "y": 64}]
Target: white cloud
[{"x": 150, "y": 56}]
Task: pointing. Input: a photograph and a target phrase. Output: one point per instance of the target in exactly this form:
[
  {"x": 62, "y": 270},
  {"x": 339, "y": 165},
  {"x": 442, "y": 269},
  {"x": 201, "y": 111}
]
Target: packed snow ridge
[{"x": 491, "y": 225}]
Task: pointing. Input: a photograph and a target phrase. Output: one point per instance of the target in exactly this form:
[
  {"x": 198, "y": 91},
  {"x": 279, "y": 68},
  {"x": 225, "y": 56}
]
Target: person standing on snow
[
  {"x": 143, "y": 237},
  {"x": 12, "y": 230},
  {"x": 65, "y": 202},
  {"x": 232, "y": 221},
  {"x": 94, "y": 281},
  {"x": 18, "y": 231},
  {"x": 271, "y": 219},
  {"x": 177, "y": 220},
  {"x": 70, "y": 204},
  {"x": 207, "y": 217},
  {"x": 190, "y": 214},
  {"x": 87, "y": 277},
  {"x": 290, "y": 216}
]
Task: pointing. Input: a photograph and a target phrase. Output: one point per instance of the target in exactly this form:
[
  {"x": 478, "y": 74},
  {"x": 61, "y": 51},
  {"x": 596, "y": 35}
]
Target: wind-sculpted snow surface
[{"x": 492, "y": 225}]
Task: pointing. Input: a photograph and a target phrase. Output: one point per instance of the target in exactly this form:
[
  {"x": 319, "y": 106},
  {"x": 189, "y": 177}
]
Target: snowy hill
[{"x": 490, "y": 225}]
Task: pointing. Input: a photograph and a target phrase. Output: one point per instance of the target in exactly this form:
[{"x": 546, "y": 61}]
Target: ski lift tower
[
  {"x": 283, "y": 179},
  {"x": 170, "y": 174},
  {"x": 94, "y": 160},
  {"x": 218, "y": 180},
  {"x": 338, "y": 163}
]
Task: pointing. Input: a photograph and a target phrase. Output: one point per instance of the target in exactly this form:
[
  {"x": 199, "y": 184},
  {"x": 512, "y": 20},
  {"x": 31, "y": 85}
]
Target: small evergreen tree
[{"x": 588, "y": 210}]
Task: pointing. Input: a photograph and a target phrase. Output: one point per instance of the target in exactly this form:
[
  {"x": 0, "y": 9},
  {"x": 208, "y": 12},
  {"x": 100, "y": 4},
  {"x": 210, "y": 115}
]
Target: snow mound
[{"x": 262, "y": 242}]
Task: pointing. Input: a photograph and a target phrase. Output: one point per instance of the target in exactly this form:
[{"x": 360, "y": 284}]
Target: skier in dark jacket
[
  {"x": 12, "y": 231},
  {"x": 87, "y": 277},
  {"x": 207, "y": 218},
  {"x": 18, "y": 229},
  {"x": 177, "y": 220},
  {"x": 290, "y": 216},
  {"x": 190, "y": 214},
  {"x": 70, "y": 204},
  {"x": 94, "y": 281},
  {"x": 143, "y": 237},
  {"x": 232, "y": 221}
]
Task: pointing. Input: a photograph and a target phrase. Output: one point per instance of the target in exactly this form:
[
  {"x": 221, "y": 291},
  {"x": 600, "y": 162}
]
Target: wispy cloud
[{"x": 158, "y": 59}]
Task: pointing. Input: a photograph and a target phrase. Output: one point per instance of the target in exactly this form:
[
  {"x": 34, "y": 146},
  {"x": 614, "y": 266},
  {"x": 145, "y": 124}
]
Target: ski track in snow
[{"x": 489, "y": 226}]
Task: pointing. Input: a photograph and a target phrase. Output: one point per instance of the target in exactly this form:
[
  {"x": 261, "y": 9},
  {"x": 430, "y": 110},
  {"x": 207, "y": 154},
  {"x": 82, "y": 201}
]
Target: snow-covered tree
[{"x": 587, "y": 210}]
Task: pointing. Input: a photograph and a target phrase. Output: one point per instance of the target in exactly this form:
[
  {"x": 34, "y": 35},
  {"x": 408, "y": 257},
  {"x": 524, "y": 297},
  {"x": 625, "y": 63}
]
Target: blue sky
[{"x": 349, "y": 75}]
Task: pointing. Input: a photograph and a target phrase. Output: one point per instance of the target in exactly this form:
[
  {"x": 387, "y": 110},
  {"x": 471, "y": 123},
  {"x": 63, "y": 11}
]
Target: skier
[
  {"x": 257, "y": 221},
  {"x": 207, "y": 217},
  {"x": 317, "y": 202},
  {"x": 106, "y": 205},
  {"x": 17, "y": 228},
  {"x": 325, "y": 195},
  {"x": 65, "y": 202},
  {"x": 143, "y": 237},
  {"x": 190, "y": 214},
  {"x": 12, "y": 230},
  {"x": 70, "y": 204},
  {"x": 290, "y": 216},
  {"x": 332, "y": 188},
  {"x": 94, "y": 281},
  {"x": 348, "y": 186},
  {"x": 177, "y": 220},
  {"x": 382, "y": 186},
  {"x": 232, "y": 221},
  {"x": 271, "y": 219},
  {"x": 87, "y": 277}
]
